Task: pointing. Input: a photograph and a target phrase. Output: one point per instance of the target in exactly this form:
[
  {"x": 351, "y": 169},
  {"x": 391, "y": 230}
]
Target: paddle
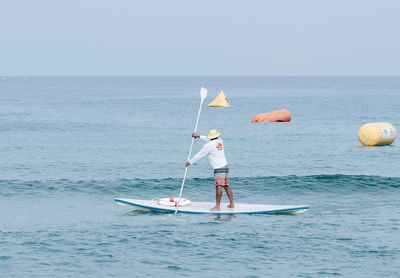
[{"x": 203, "y": 95}]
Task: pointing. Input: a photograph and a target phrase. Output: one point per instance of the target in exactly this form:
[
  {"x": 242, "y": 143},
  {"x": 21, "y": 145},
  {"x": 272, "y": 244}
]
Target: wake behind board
[{"x": 203, "y": 207}]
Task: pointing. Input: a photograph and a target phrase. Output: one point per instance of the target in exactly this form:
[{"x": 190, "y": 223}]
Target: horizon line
[{"x": 184, "y": 76}]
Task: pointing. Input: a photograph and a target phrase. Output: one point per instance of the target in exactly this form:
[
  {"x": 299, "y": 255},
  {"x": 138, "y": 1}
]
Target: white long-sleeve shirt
[{"x": 215, "y": 151}]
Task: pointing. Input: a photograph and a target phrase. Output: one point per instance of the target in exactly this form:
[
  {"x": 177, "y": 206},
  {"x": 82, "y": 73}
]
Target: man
[{"x": 216, "y": 155}]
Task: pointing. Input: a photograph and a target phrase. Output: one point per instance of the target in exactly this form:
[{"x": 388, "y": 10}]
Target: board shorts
[{"x": 221, "y": 176}]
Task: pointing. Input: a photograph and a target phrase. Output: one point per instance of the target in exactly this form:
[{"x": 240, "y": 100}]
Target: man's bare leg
[
  {"x": 229, "y": 193},
  {"x": 218, "y": 196}
]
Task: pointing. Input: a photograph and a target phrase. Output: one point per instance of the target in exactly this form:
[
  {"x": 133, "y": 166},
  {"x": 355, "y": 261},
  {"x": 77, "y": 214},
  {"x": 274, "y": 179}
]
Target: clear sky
[{"x": 204, "y": 37}]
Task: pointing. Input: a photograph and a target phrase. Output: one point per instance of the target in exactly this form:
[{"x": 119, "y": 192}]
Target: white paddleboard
[{"x": 204, "y": 207}]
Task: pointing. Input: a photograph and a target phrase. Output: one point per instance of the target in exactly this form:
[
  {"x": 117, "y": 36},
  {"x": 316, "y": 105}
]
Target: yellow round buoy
[{"x": 377, "y": 134}]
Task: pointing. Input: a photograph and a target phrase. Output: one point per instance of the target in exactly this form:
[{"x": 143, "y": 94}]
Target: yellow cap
[{"x": 213, "y": 134}]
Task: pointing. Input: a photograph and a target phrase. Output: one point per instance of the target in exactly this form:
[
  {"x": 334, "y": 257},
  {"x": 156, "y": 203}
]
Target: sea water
[{"x": 69, "y": 145}]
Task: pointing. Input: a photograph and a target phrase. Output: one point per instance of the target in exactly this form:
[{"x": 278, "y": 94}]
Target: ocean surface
[{"x": 69, "y": 145}]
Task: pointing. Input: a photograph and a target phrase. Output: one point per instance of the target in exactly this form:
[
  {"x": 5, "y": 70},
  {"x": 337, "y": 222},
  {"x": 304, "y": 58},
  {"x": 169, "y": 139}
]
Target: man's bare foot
[
  {"x": 231, "y": 206},
  {"x": 215, "y": 209}
]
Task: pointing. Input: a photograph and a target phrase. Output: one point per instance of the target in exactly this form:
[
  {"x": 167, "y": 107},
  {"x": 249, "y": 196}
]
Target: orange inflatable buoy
[{"x": 274, "y": 116}]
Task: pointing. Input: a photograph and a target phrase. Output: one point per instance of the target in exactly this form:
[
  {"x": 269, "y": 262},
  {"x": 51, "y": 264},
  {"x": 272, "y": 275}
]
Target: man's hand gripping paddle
[{"x": 203, "y": 95}]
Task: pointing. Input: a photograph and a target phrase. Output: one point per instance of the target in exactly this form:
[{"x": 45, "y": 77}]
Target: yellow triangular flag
[{"x": 219, "y": 101}]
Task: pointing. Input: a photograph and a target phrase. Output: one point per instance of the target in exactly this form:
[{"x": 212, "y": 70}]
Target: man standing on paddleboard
[{"x": 216, "y": 155}]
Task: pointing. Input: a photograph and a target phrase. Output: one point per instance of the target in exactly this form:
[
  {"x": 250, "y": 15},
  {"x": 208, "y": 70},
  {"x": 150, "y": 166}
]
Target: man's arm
[
  {"x": 204, "y": 151},
  {"x": 202, "y": 137}
]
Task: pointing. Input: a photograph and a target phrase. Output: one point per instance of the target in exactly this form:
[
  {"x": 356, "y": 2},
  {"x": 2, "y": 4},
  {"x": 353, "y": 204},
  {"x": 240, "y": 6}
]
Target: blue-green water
[{"x": 68, "y": 146}]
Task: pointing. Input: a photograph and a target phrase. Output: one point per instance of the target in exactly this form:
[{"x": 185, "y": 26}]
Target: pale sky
[{"x": 204, "y": 37}]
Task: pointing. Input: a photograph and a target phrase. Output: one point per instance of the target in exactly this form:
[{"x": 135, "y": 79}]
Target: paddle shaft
[{"x": 190, "y": 154}]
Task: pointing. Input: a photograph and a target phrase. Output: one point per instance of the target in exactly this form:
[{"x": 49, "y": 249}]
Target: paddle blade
[{"x": 203, "y": 93}]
